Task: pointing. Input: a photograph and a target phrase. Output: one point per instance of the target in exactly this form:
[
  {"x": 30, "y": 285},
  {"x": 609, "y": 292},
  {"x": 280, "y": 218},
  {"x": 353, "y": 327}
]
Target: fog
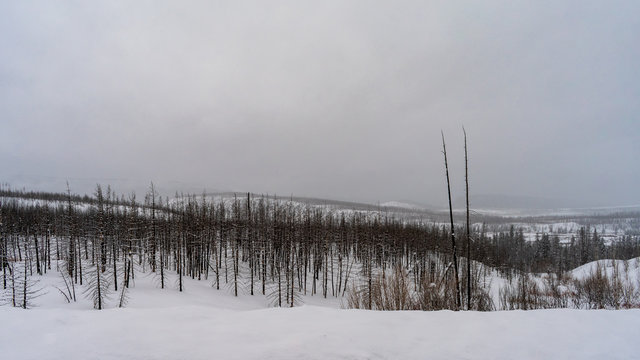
[{"x": 333, "y": 99}]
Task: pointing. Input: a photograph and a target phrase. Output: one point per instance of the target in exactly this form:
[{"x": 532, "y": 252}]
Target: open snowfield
[{"x": 204, "y": 323}]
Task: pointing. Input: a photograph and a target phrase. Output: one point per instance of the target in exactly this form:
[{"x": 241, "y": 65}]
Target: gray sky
[{"x": 338, "y": 99}]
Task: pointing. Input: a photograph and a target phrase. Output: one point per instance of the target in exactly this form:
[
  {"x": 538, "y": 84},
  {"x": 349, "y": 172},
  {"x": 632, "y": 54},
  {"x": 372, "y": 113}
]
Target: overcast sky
[{"x": 337, "y": 99}]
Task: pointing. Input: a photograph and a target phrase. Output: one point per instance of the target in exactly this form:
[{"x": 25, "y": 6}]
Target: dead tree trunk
[
  {"x": 453, "y": 236},
  {"x": 466, "y": 180}
]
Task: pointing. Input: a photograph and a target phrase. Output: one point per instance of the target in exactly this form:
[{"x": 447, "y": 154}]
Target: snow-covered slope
[
  {"x": 403, "y": 205},
  {"x": 204, "y": 323},
  {"x": 628, "y": 271}
]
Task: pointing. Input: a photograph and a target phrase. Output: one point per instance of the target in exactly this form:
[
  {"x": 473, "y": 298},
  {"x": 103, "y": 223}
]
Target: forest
[{"x": 282, "y": 249}]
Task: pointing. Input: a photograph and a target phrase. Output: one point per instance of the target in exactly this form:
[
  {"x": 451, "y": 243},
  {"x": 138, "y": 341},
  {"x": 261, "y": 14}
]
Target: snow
[
  {"x": 205, "y": 323},
  {"x": 560, "y": 212},
  {"x": 628, "y": 270},
  {"x": 403, "y": 205},
  {"x": 310, "y": 332}
]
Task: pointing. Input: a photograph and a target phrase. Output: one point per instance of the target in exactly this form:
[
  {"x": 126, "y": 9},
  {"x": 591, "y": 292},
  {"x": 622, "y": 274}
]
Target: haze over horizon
[{"x": 332, "y": 100}]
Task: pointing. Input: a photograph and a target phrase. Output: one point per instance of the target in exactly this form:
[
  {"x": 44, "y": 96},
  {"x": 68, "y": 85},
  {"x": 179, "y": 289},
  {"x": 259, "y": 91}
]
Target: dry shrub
[
  {"x": 395, "y": 290},
  {"x": 524, "y": 295},
  {"x": 389, "y": 291},
  {"x": 599, "y": 291}
]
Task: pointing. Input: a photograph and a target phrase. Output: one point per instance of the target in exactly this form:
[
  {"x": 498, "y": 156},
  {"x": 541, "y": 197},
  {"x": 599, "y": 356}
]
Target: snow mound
[{"x": 629, "y": 270}]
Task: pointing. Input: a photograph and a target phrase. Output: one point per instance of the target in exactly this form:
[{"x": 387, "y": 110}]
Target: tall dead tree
[
  {"x": 453, "y": 235},
  {"x": 466, "y": 180}
]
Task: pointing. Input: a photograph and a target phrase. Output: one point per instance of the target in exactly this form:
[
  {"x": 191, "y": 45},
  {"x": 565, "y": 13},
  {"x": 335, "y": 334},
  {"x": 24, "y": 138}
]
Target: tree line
[{"x": 262, "y": 245}]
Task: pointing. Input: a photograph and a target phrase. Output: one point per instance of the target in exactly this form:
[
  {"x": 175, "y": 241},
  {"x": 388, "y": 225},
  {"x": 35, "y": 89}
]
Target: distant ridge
[
  {"x": 406, "y": 205},
  {"x": 501, "y": 201}
]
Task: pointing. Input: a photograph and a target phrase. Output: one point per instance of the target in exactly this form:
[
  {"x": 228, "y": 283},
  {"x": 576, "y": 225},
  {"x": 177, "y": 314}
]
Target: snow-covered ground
[
  {"x": 204, "y": 323},
  {"x": 310, "y": 332}
]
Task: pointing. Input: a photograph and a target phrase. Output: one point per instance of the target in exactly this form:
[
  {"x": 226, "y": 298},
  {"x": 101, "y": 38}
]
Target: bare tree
[
  {"x": 453, "y": 236},
  {"x": 466, "y": 180},
  {"x": 97, "y": 288}
]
